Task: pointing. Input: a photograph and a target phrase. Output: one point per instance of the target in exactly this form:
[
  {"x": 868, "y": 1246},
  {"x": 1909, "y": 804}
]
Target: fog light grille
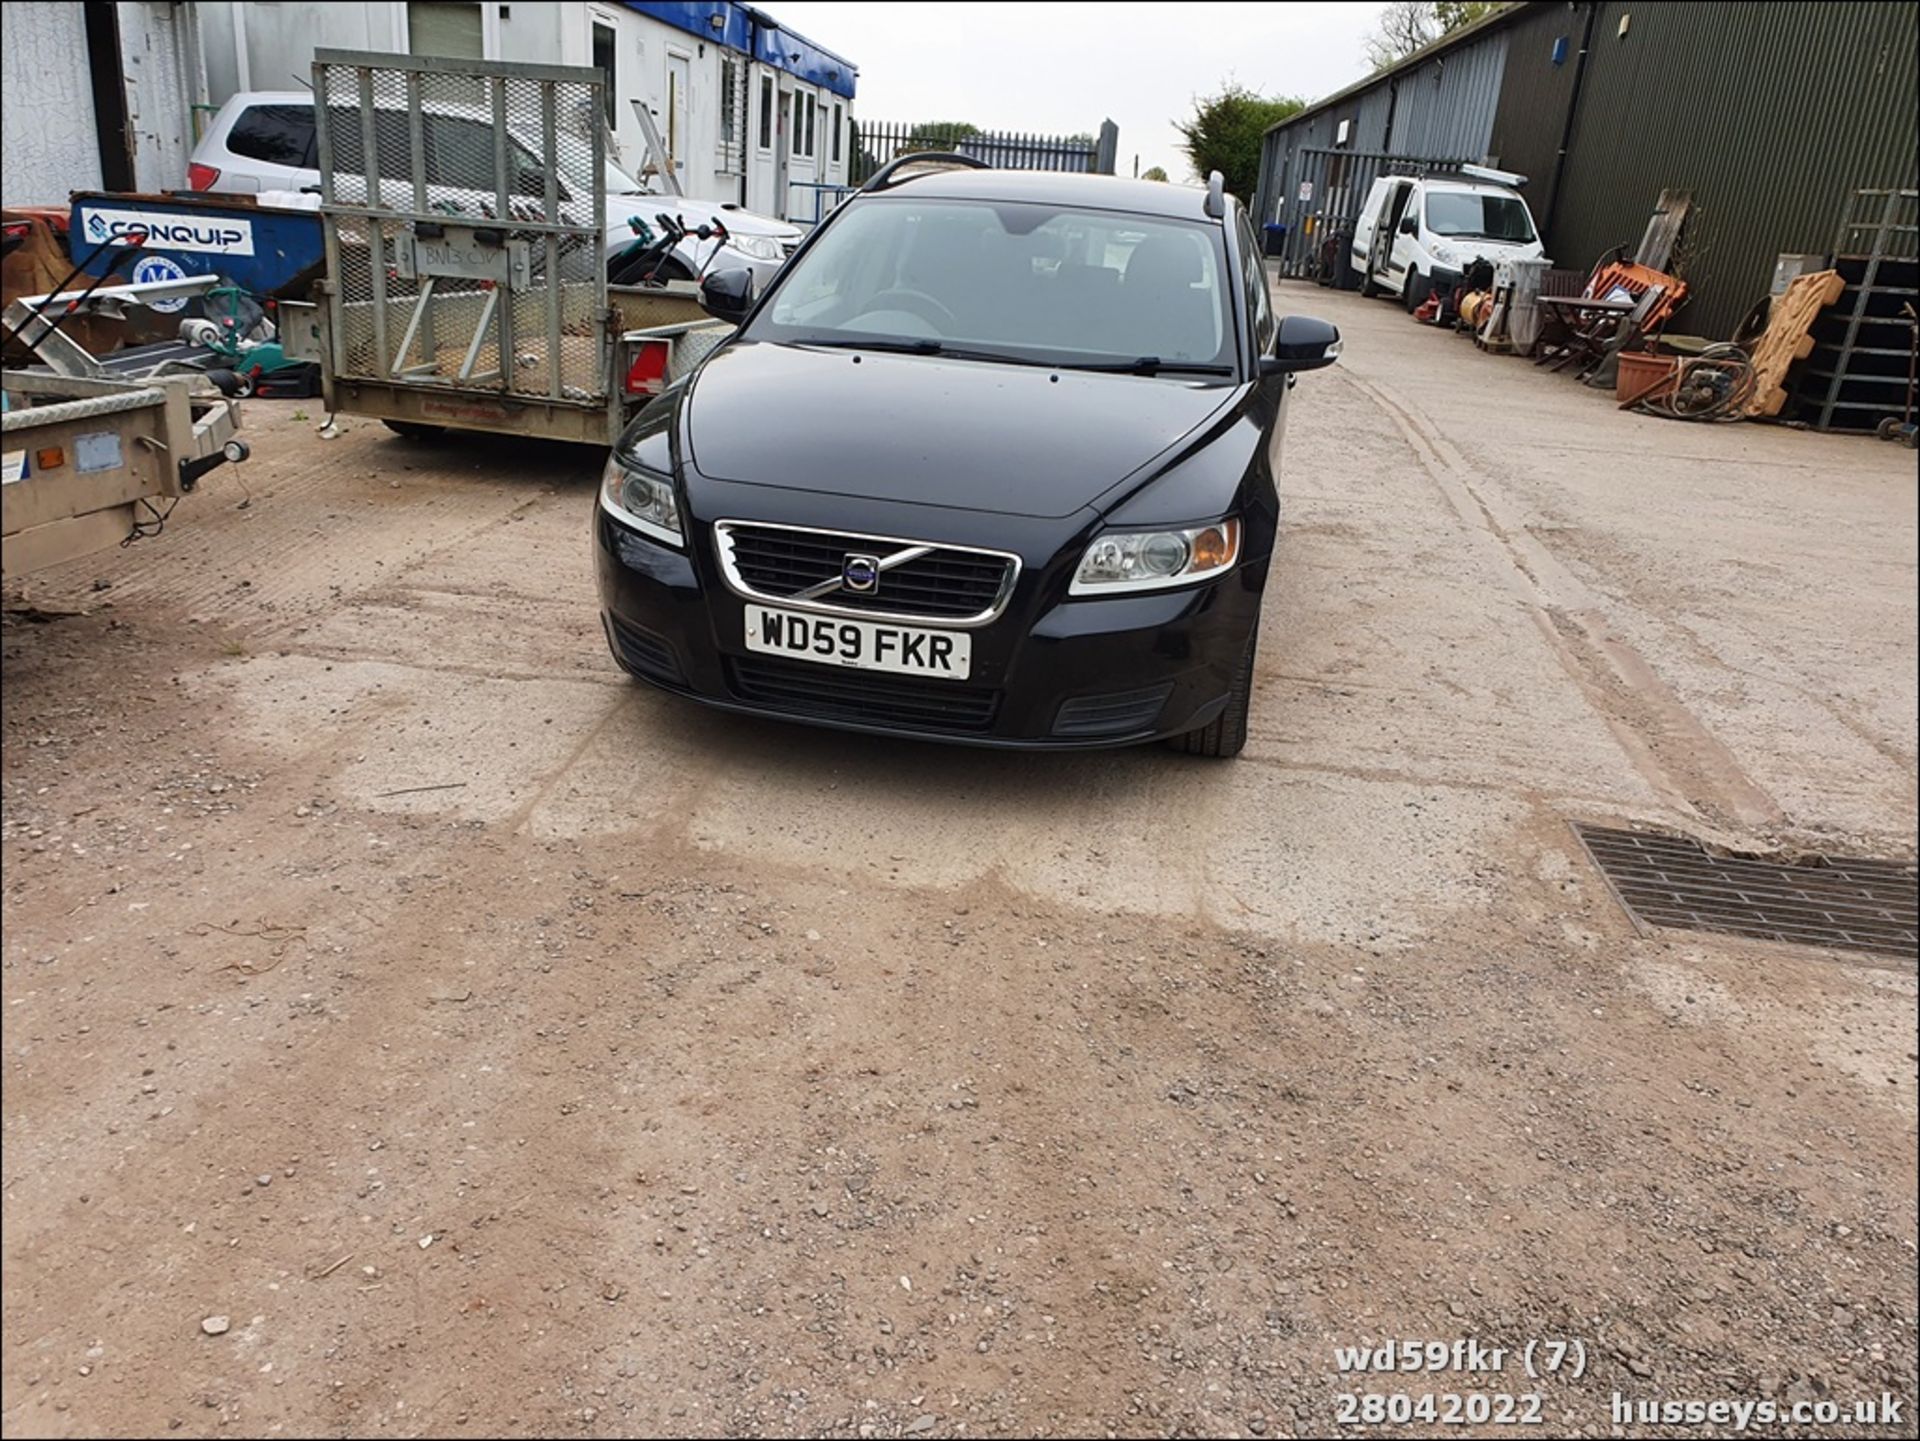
[
  {"x": 1118, "y": 714},
  {"x": 644, "y": 653}
]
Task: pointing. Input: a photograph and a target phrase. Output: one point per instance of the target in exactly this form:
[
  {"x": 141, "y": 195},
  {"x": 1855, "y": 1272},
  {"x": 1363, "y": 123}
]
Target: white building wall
[
  {"x": 270, "y": 46},
  {"x": 281, "y": 38},
  {"x": 156, "y": 42},
  {"x": 43, "y": 74}
]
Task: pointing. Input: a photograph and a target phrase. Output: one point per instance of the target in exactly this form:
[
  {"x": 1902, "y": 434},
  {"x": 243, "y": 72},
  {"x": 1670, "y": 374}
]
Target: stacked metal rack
[{"x": 1858, "y": 373}]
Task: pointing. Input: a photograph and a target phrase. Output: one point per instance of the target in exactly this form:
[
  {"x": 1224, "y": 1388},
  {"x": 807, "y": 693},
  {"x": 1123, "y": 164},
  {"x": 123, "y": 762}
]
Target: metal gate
[
  {"x": 465, "y": 222},
  {"x": 1324, "y": 191},
  {"x": 876, "y": 142}
]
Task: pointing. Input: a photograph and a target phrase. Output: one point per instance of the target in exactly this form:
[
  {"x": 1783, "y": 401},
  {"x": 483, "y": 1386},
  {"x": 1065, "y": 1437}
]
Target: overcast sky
[{"x": 1063, "y": 68}]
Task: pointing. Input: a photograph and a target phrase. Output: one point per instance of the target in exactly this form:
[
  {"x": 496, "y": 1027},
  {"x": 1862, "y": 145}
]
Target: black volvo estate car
[{"x": 992, "y": 460}]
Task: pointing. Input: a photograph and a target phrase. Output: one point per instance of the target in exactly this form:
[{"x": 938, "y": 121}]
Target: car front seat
[{"x": 1166, "y": 314}]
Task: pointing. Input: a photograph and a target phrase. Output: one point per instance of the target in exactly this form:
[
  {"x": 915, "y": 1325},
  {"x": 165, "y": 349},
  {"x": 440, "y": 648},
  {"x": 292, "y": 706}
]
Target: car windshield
[
  {"x": 458, "y": 147},
  {"x": 617, "y": 182},
  {"x": 1479, "y": 215},
  {"x": 1018, "y": 281}
]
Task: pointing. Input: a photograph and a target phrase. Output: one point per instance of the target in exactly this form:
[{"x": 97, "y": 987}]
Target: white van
[{"x": 1416, "y": 228}]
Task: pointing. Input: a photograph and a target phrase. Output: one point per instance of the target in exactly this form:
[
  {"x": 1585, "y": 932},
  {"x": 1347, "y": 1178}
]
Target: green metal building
[{"x": 1772, "y": 115}]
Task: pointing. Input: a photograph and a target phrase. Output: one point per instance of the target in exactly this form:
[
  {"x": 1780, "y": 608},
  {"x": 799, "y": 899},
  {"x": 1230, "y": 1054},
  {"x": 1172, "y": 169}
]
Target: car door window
[
  {"x": 460, "y": 157},
  {"x": 349, "y": 144},
  {"x": 458, "y": 150},
  {"x": 277, "y": 134},
  {"x": 1253, "y": 275}
]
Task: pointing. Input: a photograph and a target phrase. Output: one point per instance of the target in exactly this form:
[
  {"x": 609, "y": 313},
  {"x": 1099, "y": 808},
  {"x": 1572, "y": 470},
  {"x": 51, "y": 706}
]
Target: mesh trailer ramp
[{"x": 464, "y": 215}]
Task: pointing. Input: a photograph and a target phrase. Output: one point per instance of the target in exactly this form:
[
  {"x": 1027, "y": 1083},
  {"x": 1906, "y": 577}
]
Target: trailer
[
  {"x": 466, "y": 283},
  {"x": 91, "y": 461}
]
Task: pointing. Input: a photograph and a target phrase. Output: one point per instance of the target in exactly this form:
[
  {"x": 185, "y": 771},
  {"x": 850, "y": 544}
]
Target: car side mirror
[
  {"x": 1301, "y": 343},
  {"x": 1409, "y": 225},
  {"x": 727, "y": 295}
]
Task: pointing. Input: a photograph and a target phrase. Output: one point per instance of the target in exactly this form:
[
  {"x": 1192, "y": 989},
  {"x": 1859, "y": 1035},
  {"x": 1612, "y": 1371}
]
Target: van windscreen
[{"x": 1477, "y": 215}]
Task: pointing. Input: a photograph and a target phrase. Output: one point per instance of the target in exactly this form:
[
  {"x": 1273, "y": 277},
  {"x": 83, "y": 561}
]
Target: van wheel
[
  {"x": 1413, "y": 290},
  {"x": 1222, "y": 737},
  {"x": 414, "y": 430}
]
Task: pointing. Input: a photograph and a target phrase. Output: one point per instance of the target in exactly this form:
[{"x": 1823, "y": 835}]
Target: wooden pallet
[{"x": 1788, "y": 337}]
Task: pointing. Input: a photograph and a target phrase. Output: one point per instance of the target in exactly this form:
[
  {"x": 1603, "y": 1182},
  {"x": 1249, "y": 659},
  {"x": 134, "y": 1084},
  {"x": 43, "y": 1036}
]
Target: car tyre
[
  {"x": 414, "y": 429},
  {"x": 1413, "y": 294},
  {"x": 1223, "y": 737}
]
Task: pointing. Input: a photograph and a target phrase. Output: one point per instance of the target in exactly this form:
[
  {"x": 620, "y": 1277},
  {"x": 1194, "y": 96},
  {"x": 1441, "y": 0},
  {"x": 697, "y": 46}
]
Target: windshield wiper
[
  {"x": 1150, "y": 365},
  {"x": 901, "y": 347},
  {"x": 929, "y": 346}
]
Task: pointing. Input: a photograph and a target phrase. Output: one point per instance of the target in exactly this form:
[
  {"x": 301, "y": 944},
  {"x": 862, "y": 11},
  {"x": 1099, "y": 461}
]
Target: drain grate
[{"x": 1825, "y": 901}]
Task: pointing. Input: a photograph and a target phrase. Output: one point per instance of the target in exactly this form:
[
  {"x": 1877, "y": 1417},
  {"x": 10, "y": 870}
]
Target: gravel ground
[{"x": 412, "y": 1028}]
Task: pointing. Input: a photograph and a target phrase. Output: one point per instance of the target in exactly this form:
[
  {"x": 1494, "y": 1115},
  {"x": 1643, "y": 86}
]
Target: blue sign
[{"x": 263, "y": 250}]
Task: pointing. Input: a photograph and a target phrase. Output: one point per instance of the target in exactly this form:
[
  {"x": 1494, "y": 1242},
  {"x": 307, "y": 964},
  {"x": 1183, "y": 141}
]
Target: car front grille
[
  {"x": 829, "y": 693},
  {"x": 948, "y": 583}
]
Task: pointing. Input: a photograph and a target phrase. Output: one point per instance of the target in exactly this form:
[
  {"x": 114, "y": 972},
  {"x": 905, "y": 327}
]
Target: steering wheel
[{"x": 917, "y": 301}]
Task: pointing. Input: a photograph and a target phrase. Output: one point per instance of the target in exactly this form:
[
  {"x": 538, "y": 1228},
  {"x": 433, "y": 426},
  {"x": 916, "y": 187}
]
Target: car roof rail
[
  {"x": 930, "y": 160},
  {"x": 1217, "y": 195}
]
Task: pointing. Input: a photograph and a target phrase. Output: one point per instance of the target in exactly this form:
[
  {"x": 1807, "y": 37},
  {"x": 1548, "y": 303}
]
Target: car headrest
[{"x": 1163, "y": 261}]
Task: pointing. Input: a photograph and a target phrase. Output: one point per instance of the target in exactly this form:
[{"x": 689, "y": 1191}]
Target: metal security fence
[
  {"x": 1322, "y": 193},
  {"x": 465, "y": 223},
  {"x": 877, "y": 142}
]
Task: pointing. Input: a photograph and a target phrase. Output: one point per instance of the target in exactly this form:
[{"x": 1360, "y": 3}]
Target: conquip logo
[{"x": 208, "y": 236}]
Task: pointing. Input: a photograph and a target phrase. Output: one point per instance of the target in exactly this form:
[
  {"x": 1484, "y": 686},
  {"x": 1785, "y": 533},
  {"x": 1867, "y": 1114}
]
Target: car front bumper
[{"x": 1066, "y": 674}]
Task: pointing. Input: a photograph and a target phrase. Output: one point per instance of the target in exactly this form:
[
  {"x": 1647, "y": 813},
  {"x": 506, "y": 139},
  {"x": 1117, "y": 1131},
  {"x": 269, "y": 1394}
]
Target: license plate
[{"x": 862, "y": 644}]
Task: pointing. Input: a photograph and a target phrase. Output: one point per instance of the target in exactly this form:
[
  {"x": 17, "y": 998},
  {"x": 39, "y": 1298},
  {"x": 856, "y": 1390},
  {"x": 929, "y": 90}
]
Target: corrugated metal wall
[
  {"x": 1534, "y": 94},
  {"x": 1446, "y": 107},
  {"x": 1770, "y": 114}
]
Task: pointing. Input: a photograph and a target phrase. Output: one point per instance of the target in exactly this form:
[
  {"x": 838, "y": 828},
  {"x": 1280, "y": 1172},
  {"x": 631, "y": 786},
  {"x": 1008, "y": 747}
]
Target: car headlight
[
  {"x": 1133, "y": 560},
  {"x": 643, "y": 499},
  {"x": 1443, "y": 254},
  {"x": 757, "y": 247}
]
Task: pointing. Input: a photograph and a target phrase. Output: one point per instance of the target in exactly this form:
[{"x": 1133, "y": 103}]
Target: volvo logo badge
[{"x": 860, "y": 574}]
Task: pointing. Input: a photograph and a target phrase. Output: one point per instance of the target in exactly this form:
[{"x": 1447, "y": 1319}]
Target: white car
[
  {"x": 1414, "y": 229},
  {"x": 262, "y": 143}
]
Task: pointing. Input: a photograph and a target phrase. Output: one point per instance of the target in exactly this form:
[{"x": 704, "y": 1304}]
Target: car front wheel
[
  {"x": 1414, "y": 291},
  {"x": 1223, "y": 737}
]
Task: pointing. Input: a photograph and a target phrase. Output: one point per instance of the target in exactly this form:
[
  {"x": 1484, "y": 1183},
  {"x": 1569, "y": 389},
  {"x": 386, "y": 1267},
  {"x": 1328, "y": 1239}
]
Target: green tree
[
  {"x": 1409, "y": 25},
  {"x": 939, "y": 135},
  {"x": 1153, "y": 172},
  {"x": 1226, "y": 131}
]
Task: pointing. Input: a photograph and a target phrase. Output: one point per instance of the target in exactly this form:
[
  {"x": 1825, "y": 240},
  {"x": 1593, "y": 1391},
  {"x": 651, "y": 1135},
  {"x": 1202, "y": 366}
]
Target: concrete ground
[{"x": 499, "y": 1047}]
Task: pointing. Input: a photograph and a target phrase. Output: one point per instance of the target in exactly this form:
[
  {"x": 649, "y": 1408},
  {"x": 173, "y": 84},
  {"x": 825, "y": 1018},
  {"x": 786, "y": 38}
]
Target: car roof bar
[
  {"x": 934, "y": 159},
  {"x": 1217, "y": 195}
]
